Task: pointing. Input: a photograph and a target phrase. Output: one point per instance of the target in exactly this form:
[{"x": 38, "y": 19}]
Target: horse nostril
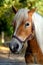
[
  {"x": 17, "y": 46},
  {"x": 14, "y": 47}
]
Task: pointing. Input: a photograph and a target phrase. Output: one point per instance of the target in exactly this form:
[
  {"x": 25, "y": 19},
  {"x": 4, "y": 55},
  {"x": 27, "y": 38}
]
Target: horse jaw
[{"x": 38, "y": 23}]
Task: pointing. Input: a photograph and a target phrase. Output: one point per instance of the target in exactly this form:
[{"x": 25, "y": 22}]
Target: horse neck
[{"x": 38, "y": 24}]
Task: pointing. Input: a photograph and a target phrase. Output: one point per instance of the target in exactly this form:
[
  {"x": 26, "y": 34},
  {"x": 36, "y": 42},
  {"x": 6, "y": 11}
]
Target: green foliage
[
  {"x": 6, "y": 13},
  {"x": 1, "y": 2}
]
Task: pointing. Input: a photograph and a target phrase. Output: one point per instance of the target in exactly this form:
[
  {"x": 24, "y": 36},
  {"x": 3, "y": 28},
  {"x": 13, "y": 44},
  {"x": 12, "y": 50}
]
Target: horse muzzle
[{"x": 15, "y": 45}]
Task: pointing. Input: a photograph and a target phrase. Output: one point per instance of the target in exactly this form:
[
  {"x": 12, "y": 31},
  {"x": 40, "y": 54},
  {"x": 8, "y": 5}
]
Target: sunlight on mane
[{"x": 38, "y": 23}]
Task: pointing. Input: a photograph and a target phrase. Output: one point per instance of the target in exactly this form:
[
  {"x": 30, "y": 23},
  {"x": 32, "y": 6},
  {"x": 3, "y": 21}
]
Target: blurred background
[
  {"x": 6, "y": 28},
  {"x": 7, "y": 15}
]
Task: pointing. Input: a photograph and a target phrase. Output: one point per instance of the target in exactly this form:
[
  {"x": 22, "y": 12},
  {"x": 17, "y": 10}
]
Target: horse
[{"x": 28, "y": 26}]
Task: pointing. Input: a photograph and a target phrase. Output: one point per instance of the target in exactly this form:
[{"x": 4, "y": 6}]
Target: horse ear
[
  {"x": 14, "y": 9},
  {"x": 31, "y": 12}
]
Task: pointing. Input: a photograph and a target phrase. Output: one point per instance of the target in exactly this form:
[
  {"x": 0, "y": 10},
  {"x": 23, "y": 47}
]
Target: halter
[
  {"x": 30, "y": 36},
  {"x": 21, "y": 40}
]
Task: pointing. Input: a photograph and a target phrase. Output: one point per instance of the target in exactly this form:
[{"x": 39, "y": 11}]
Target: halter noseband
[{"x": 24, "y": 40}]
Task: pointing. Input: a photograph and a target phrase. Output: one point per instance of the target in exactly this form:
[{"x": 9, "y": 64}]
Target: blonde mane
[
  {"x": 38, "y": 23},
  {"x": 21, "y": 14}
]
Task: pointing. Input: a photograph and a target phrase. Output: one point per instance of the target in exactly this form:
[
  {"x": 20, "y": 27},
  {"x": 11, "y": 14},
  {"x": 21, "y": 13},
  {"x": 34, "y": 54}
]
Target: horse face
[{"x": 23, "y": 30}]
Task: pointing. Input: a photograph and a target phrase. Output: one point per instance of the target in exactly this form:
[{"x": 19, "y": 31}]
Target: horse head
[{"x": 23, "y": 29}]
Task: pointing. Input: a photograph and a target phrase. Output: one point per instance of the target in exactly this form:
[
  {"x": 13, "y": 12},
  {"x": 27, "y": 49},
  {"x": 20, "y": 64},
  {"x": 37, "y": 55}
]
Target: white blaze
[{"x": 20, "y": 17}]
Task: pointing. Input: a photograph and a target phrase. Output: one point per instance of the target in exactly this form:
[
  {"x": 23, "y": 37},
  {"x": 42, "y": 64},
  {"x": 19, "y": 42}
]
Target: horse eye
[{"x": 27, "y": 24}]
